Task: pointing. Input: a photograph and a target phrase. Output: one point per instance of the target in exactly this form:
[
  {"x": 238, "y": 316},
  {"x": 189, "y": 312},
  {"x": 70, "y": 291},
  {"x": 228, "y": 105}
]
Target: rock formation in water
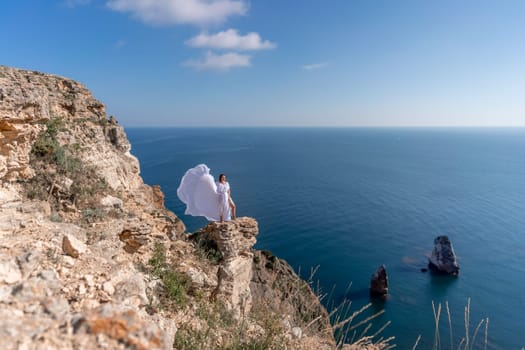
[
  {"x": 90, "y": 257},
  {"x": 379, "y": 282},
  {"x": 443, "y": 259}
]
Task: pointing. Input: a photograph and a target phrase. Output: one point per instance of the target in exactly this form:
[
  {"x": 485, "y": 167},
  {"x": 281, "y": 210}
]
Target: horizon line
[{"x": 329, "y": 126}]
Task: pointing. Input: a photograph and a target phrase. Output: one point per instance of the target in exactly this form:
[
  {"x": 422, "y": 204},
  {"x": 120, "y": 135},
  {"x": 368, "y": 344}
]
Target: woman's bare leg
[{"x": 232, "y": 207}]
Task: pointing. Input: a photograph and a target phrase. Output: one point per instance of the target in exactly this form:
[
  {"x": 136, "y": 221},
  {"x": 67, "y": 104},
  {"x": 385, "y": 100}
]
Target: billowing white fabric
[{"x": 198, "y": 191}]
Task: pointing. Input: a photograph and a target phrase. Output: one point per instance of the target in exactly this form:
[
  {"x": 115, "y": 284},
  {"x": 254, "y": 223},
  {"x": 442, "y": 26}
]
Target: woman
[
  {"x": 225, "y": 200},
  {"x": 205, "y": 197}
]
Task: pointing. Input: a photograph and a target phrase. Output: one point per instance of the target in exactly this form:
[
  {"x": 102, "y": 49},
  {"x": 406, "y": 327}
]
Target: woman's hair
[{"x": 221, "y": 176}]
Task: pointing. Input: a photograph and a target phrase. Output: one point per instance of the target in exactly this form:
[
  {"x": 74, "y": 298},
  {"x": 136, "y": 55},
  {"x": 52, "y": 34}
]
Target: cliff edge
[{"x": 90, "y": 257}]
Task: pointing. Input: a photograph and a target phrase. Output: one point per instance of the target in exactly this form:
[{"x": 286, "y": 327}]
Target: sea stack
[
  {"x": 379, "y": 282},
  {"x": 443, "y": 259}
]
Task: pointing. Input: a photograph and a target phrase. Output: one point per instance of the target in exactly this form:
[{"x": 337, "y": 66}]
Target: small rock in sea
[
  {"x": 443, "y": 259},
  {"x": 424, "y": 269},
  {"x": 379, "y": 282}
]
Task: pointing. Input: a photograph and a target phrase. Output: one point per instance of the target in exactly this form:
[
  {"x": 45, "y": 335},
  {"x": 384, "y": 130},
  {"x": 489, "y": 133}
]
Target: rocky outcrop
[
  {"x": 234, "y": 240},
  {"x": 443, "y": 259},
  {"x": 29, "y": 99},
  {"x": 256, "y": 284},
  {"x": 90, "y": 257},
  {"x": 379, "y": 282},
  {"x": 67, "y": 279}
]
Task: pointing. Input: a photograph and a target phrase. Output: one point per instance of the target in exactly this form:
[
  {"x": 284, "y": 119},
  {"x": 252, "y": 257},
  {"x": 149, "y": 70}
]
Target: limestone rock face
[
  {"x": 65, "y": 280},
  {"x": 28, "y": 99},
  {"x": 379, "y": 282},
  {"x": 235, "y": 240},
  {"x": 443, "y": 259}
]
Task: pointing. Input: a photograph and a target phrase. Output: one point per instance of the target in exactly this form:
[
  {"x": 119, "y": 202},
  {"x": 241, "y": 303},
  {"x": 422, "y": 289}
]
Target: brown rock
[
  {"x": 72, "y": 246},
  {"x": 135, "y": 235},
  {"x": 126, "y": 327},
  {"x": 158, "y": 197},
  {"x": 379, "y": 282}
]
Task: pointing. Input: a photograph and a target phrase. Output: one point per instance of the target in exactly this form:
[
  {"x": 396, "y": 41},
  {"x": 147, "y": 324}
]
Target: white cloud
[
  {"x": 231, "y": 40},
  {"x": 222, "y": 62},
  {"x": 199, "y": 12},
  {"x": 315, "y": 66}
]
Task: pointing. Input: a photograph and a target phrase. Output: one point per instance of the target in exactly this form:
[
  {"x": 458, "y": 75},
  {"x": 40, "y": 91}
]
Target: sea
[{"x": 343, "y": 201}]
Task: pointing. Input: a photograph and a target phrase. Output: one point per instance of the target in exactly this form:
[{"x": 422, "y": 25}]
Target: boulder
[
  {"x": 72, "y": 246},
  {"x": 379, "y": 282},
  {"x": 112, "y": 202},
  {"x": 9, "y": 272},
  {"x": 108, "y": 288},
  {"x": 443, "y": 259},
  {"x": 198, "y": 279},
  {"x": 135, "y": 234}
]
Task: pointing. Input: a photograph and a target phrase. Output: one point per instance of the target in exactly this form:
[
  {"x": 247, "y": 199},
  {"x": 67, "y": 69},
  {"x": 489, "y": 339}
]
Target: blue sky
[{"x": 281, "y": 62}]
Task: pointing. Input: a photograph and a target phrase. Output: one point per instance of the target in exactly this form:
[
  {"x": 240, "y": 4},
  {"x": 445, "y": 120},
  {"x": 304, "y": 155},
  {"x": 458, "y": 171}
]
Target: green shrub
[
  {"x": 46, "y": 143},
  {"x": 175, "y": 283},
  {"x": 207, "y": 248},
  {"x": 49, "y": 158},
  {"x": 55, "y": 217},
  {"x": 91, "y": 215}
]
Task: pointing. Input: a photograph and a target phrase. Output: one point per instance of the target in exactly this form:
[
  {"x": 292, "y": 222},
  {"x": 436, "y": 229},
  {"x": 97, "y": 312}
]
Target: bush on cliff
[
  {"x": 60, "y": 175},
  {"x": 175, "y": 284}
]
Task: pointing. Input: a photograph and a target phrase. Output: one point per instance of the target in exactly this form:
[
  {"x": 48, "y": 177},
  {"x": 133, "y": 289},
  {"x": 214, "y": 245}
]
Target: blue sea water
[{"x": 349, "y": 200}]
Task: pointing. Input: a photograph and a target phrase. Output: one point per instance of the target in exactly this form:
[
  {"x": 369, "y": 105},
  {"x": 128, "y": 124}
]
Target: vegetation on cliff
[{"x": 62, "y": 179}]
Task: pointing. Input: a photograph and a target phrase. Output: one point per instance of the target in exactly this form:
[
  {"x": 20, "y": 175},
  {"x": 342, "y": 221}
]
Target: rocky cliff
[{"x": 91, "y": 258}]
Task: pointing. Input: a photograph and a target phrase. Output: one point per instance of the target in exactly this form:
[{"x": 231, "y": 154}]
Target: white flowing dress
[
  {"x": 202, "y": 196},
  {"x": 224, "y": 200}
]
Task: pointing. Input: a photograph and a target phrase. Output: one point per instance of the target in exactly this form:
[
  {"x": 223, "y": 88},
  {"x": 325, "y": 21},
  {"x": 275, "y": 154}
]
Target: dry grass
[
  {"x": 346, "y": 324},
  {"x": 468, "y": 341},
  {"x": 351, "y": 328}
]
